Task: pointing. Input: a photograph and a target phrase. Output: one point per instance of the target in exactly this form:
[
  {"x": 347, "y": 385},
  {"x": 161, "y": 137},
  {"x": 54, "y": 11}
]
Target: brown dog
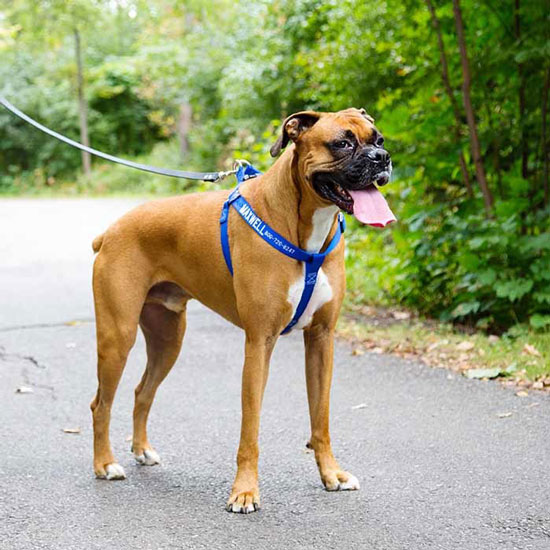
[{"x": 162, "y": 254}]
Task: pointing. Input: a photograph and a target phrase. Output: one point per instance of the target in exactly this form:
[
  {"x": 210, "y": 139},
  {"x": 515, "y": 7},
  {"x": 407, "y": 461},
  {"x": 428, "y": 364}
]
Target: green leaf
[
  {"x": 487, "y": 277},
  {"x": 483, "y": 373},
  {"x": 539, "y": 321},
  {"x": 466, "y": 308},
  {"x": 513, "y": 290},
  {"x": 542, "y": 297}
]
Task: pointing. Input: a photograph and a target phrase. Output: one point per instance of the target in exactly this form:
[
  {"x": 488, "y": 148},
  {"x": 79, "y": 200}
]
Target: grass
[{"x": 521, "y": 356}]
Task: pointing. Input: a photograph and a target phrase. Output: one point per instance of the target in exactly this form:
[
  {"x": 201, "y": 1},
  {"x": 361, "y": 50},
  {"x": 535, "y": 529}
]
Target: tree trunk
[
  {"x": 184, "y": 125},
  {"x": 544, "y": 138},
  {"x": 82, "y": 106},
  {"x": 496, "y": 142},
  {"x": 449, "y": 89},
  {"x": 470, "y": 115},
  {"x": 521, "y": 96}
]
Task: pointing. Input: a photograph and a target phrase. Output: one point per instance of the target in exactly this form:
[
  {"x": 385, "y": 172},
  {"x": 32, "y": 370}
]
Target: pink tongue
[{"x": 370, "y": 207}]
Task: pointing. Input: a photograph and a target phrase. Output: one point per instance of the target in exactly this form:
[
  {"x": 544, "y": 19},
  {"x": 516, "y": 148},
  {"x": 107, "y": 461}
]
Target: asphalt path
[{"x": 444, "y": 462}]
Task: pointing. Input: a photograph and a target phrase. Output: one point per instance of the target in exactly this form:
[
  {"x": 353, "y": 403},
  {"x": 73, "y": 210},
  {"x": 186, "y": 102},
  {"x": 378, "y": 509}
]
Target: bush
[{"x": 458, "y": 266}]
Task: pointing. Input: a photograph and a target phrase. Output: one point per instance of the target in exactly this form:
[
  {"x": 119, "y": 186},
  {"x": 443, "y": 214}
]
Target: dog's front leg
[
  {"x": 319, "y": 343},
  {"x": 245, "y": 494}
]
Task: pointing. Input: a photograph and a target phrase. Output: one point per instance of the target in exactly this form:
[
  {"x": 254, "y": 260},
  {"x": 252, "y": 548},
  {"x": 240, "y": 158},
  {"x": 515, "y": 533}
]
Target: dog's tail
[{"x": 97, "y": 242}]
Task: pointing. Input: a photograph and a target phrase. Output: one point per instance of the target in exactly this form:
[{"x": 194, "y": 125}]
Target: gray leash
[{"x": 202, "y": 176}]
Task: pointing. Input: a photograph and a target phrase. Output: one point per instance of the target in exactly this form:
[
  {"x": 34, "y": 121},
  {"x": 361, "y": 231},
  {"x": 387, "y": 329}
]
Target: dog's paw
[
  {"x": 111, "y": 472},
  {"x": 245, "y": 502},
  {"x": 148, "y": 457},
  {"x": 340, "y": 481}
]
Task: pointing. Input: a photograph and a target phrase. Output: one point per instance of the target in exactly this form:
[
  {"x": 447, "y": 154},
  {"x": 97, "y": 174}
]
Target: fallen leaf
[
  {"x": 71, "y": 430},
  {"x": 401, "y": 315},
  {"x": 73, "y": 323},
  {"x": 504, "y": 415},
  {"x": 377, "y": 350},
  {"x": 531, "y": 350},
  {"x": 531, "y": 405},
  {"x": 465, "y": 346},
  {"x": 482, "y": 373},
  {"x": 538, "y": 385},
  {"x": 522, "y": 393},
  {"x": 358, "y": 351},
  {"x": 433, "y": 346},
  {"x": 24, "y": 389},
  {"x": 360, "y": 406}
]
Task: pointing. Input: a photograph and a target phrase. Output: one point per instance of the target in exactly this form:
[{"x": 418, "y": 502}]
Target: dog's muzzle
[
  {"x": 382, "y": 167},
  {"x": 372, "y": 165}
]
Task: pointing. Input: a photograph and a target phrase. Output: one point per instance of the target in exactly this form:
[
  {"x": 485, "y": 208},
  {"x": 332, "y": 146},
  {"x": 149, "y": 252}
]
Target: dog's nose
[{"x": 381, "y": 156}]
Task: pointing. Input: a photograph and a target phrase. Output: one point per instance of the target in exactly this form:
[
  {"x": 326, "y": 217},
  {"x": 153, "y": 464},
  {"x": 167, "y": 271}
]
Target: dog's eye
[
  {"x": 343, "y": 144},
  {"x": 379, "y": 141}
]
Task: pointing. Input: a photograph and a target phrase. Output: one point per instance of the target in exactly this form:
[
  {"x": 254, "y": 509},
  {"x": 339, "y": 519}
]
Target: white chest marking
[{"x": 323, "y": 219}]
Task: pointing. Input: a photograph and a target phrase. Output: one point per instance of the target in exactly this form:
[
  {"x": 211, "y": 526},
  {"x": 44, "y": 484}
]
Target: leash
[
  {"x": 201, "y": 176},
  {"x": 313, "y": 262}
]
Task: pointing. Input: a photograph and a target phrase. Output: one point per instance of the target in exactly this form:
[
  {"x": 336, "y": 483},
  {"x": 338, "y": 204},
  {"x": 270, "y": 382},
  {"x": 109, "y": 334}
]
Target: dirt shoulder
[{"x": 520, "y": 359}]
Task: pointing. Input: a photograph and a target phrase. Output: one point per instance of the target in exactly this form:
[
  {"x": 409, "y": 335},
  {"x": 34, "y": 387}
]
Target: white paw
[
  {"x": 148, "y": 458},
  {"x": 242, "y": 508},
  {"x": 244, "y": 502},
  {"x": 114, "y": 471},
  {"x": 351, "y": 483}
]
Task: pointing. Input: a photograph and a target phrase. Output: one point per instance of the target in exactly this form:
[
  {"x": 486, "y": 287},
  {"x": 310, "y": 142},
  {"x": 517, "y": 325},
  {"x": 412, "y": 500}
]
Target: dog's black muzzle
[
  {"x": 369, "y": 165},
  {"x": 366, "y": 167}
]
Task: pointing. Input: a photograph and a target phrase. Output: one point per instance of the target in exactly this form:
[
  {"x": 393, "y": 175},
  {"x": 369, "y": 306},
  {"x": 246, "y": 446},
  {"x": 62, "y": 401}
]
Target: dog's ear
[
  {"x": 293, "y": 127},
  {"x": 366, "y": 115}
]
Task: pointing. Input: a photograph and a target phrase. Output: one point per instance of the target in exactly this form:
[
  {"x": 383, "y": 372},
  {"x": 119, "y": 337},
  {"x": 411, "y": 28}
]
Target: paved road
[{"x": 439, "y": 468}]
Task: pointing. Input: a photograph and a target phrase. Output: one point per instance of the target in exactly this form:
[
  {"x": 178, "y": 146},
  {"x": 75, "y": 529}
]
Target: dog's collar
[{"x": 313, "y": 262}]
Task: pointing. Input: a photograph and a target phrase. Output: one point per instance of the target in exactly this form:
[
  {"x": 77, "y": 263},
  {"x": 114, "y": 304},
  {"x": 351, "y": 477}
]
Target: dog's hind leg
[
  {"x": 119, "y": 296},
  {"x": 163, "y": 330}
]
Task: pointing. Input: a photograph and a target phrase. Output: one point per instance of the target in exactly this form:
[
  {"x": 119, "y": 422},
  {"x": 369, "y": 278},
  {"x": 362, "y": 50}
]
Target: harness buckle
[
  {"x": 316, "y": 260},
  {"x": 233, "y": 196}
]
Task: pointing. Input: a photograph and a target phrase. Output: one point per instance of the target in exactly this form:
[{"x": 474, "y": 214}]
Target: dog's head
[{"x": 341, "y": 156}]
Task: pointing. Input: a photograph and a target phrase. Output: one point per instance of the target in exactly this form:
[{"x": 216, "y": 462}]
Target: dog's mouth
[
  {"x": 327, "y": 186},
  {"x": 365, "y": 202}
]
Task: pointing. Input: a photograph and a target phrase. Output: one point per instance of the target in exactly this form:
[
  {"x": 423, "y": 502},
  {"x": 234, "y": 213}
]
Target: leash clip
[{"x": 223, "y": 174}]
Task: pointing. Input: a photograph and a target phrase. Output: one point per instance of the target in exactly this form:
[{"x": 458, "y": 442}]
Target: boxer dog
[{"x": 157, "y": 257}]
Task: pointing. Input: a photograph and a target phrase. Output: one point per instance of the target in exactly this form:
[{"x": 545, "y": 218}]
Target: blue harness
[{"x": 313, "y": 262}]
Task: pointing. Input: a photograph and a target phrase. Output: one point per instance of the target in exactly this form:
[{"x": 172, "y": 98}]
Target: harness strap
[{"x": 313, "y": 262}]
